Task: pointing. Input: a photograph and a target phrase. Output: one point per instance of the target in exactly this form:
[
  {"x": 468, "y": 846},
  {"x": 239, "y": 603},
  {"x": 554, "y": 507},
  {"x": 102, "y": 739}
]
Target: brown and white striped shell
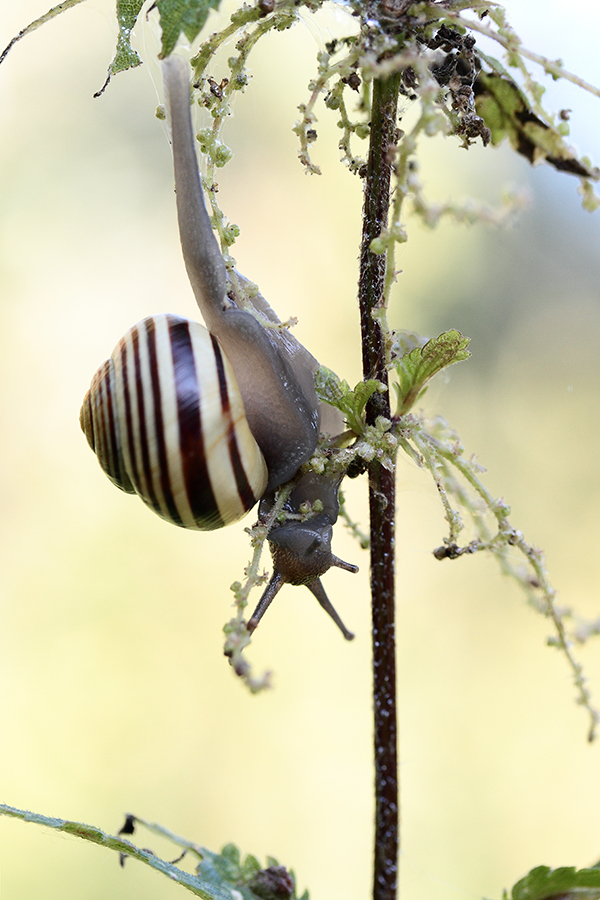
[{"x": 166, "y": 420}]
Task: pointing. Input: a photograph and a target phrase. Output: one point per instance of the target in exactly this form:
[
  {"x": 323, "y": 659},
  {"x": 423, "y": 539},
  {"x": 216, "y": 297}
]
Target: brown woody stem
[{"x": 381, "y": 492}]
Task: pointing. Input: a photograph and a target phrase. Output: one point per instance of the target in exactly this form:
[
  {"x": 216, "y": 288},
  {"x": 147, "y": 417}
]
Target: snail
[{"x": 202, "y": 424}]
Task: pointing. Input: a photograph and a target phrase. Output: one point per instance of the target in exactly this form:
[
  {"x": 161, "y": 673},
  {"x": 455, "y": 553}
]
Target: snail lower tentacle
[{"x": 301, "y": 550}]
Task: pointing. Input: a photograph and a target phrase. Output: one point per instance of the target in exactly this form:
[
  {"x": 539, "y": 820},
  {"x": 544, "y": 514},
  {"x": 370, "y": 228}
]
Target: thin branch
[
  {"x": 55, "y": 11},
  {"x": 508, "y": 536},
  {"x": 120, "y": 845},
  {"x": 381, "y": 490},
  {"x": 513, "y": 44}
]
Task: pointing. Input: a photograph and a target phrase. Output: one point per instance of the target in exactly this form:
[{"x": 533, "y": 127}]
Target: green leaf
[
  {"x": 415, "y": 368},
  {"x": 250, "y": 867},
  {"x": 351, "y": 403},
  {"x": 182, "y": 17},
  {"x": 125, "y": 56},
  {"x": 127, "y": 15},
  {"x": 507, "y": 112},
  {"x": 405, "y": 341},
  {"x": 245, "y": 878},
  {"x": 542, "y": 883}
]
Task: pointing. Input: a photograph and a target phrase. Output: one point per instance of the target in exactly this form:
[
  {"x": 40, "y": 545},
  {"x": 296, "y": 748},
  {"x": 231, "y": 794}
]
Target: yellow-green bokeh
[{"x": 114, "y": 694}]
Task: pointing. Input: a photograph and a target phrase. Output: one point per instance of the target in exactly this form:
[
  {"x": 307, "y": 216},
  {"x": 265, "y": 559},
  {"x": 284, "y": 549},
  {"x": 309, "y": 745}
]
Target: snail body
[
  {"x": 202, "y": 424},
  {"x": 301, "y": 550},
  {"x": 274, "y": 371}
]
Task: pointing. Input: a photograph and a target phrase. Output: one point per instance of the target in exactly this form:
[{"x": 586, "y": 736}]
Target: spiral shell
[{"x": 165, "y": 418}]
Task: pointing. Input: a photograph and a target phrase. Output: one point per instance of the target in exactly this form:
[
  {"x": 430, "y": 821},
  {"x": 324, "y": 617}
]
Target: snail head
[{"x": 301, "y": 550}]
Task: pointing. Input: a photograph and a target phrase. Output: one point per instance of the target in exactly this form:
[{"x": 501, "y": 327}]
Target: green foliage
[
  {"x": 567, "y": 882},
  {"x": 446, "y": 105},
  {"x": 436, "y": 447},
  {"x": 495, "y": 105},
  {"x": 182, "y": 17},
  {"x": 508, "y": 114},
  {"x": 351, "y": 403},
  {"x": 229, "y": 869},
  {"x": 125, "y": 56},
  {"x": 176, "y": 17},
  {"x": 220, "y": 876},
  {"x": 418, "y": 366}
]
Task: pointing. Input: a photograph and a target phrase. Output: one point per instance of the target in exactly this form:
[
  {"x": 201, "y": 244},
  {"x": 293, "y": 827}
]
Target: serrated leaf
[
  {"x": 250, "y": 867},
  {"x": 405, "y": 341},
  {"x": 542, "y": 883},
  {"x": 127, "y": 15},
  {"x": 417, "y": 367},
  {"x": 329, "y": 387},
  {"x": 125, "y": 56},
  {"x": 351, "y": 403},
  {"x": 236, "y": 878},
  {"x": 507, "y": 112},
  {"x": 219, "y": 870},
  {"x": 186, "y": 17},
  {"x": 361, "y": 395}
]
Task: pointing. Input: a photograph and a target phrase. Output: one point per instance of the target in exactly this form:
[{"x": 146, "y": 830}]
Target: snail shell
[{"x": 165, "y": 417}]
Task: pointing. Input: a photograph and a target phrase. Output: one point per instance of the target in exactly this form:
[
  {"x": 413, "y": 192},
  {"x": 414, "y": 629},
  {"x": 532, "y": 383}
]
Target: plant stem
[
  {"x": 381, "y": 492},
  {"x": 55, "y": 11}
]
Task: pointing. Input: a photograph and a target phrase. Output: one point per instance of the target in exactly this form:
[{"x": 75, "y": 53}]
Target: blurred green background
[{"x": 114, "y": 694}]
